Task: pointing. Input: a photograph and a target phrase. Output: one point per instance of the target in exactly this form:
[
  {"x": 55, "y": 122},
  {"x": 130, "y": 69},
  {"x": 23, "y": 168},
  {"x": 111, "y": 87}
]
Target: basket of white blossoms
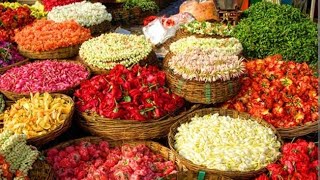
[{"x": 90, "y": 15}]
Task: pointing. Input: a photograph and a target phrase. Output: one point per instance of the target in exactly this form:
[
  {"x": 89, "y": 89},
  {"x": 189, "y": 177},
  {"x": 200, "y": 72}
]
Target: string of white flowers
[
  {"x": 206, "y": 65},
  {"x": 207, "y": 28},
  {"x": 110, "y": 49},
  {"x": 85, "y": 13},
  {"x": 228, "y": 46},
  {"x": 227, "y": 144}
]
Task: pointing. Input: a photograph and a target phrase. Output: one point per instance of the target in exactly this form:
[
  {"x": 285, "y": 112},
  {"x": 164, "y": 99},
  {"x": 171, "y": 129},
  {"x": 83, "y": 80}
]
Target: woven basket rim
[
  {"x": 25, "y": 60},
  {"x": 58, "y": 91},
  {"x": 188, "y": 117},
  {"x": 301, "y": 126},
  {"x": 53, "y": 50}
]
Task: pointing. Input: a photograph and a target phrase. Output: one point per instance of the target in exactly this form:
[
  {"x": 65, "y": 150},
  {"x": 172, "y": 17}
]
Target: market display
[
  {"x": 49, "y": 4},
  {"x": 134, "y": 94},
  {"x": 207, "y": 28},
  {"x": 85, "y": 13},
  {"x": 108, "y": 50},
  {"x": 299, "y": 161},
  {"x": 98, "y": 160},
  {"x": 38, "y": 115},
  {"x": 228, "y": 46},
  {"x": 11, "y": 19},
  {"x": 227, "y": 144},
  {"x": 9, "y": 54},
  {"x": 269, "y": 29},
  {"x": 16, "y": 157},
  {"x": 206, "y": 65},
  {"x": 284, "y": 93},
  {"x": 46, "y": 35},
  {"x": 37, "y": 10},
  {"x": 43, "y": 76}
]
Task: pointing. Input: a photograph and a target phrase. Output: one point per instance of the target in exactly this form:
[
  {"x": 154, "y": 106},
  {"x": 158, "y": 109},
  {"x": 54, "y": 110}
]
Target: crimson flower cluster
[
  {"x": 138, "y": 93},
  {"x": 12, "y": 19},
  {"x": 299, "y": 161},
  {"x": 99, "y": 161},
  {"x": 49, "y": 4},
  {"x": 284, "y": 93}
]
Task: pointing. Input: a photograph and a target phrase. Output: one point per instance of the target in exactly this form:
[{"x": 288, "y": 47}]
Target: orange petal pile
[{"x": 46, "y": 35}]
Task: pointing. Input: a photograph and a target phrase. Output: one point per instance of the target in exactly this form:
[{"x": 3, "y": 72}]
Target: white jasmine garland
[
  {"x": 84, "y": 13},
  {"x": 107, "y": 50},
  {"x": 228, "y": 46},
  {"x": 227, "y": 144},
  {"x": 206, "y": 65}
]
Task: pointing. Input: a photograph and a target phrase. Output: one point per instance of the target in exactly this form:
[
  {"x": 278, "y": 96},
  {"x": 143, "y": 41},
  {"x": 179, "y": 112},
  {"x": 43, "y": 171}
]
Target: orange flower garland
[{"x": 46, "y": 35}]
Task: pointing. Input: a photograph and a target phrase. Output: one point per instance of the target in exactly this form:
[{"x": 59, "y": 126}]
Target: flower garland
[
  {"x": 228, "y": 46},
  {"x": 84, "y": 13},
  {"x": 206, "y": 65},
  {"x": 16, "y": 157},
  {"x": 207, "y": 28},
  {"x": 45, "y": 35},
  {"x": 227, "y": 144},
  {"x": 110, "y": 49}
]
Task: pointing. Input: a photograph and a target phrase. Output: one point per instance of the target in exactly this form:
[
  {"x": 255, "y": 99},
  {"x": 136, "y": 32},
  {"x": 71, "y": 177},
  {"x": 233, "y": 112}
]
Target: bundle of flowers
[
  {"x": 49, "y": 4},
  {"x": 111, "y": 49},
  {"x": 43, "y": 76},
  {"x": 228, "y": 46},
  {"x": 299, "y": 161},
  {"x": 227, "y": 144},
  {"x": 9, "y": 54},
  {"x": 12, "y": 19},
  {"x": 38, "y": 115},
  {"x": 135, "y": 94},
  {"x": 207, "y": 28},
  {"x": 16, "y": 157},
  {"x": 100, "y": 161},
  {"x": 206, "y": 65},
  {"x": 37, "y": 9},
  {"x": 46, "y": 35},
  {"x": 284, "y": 93},
  {"x": 84, "y": 13}
]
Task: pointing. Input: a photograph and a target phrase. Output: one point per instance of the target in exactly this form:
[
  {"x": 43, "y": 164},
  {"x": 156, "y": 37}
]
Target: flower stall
[{"x": 158, "y": 90}]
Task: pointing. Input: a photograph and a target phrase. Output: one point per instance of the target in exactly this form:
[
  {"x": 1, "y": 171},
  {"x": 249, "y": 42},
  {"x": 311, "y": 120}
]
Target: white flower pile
[
  {"x": 206, "y": 65},
  {"x": 227, "y": 46},
  {"x": 227, "y": 144},
  {"x": 84, "y": 13}
]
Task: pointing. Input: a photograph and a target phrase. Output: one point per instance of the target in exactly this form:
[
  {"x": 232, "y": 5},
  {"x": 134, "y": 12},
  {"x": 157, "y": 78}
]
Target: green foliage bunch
[
  {"x": 268, "y": 29},
  {"x": 145, "y": 5}
]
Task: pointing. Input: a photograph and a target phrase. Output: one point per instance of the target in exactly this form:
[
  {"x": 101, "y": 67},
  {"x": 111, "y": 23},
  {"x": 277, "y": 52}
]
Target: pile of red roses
[
  {"x": 12, "y": 19},
  {"x": 299, "y": 161},
  {"x": 49, "y": 4},
  {"x": 138, "y": 93},
  {"x": 284, "y": 93},
  {"x": 99, "y": 161}
]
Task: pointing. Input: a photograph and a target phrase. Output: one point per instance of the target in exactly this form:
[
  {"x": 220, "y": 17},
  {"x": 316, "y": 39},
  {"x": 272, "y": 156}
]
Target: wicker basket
[
  {"x": 41, "y": 140},
  {"x": 189, "y": 175},
  {"x": 101, "y": 28},
  {"x": 201, "y": 92},
  {"x": 4, "y": 69},
  {"x": 151, "y": 59},
  {"x": 196, "y": 168},
  {"x": 41, "y": 170},
  {"x": 130, "y": 129},
  {"x": 60, "y": 53},
  {"x": 155, "y": 147},
  {"x": 15, "y": 96},
  {"x": 299, "y": 130}
]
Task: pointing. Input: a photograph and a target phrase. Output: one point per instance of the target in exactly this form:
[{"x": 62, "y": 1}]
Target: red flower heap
[
  {"x": 12, "y": 19},
  {"x": 49, "y": 4},
  {"x": 99, "y": 161},
  {"x": 137, "y": 94},
  {"x": 284, "y": 93},
  {"x": 299, "y": 161}
]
